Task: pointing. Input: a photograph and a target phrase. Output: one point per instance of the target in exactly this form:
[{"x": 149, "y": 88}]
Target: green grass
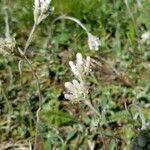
[{"x": 120, "y": 77}]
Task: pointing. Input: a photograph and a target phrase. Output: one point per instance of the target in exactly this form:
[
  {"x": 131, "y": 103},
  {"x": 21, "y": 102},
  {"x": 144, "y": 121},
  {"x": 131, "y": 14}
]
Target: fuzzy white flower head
[
  {"x": 81, "y": 67},
  {"x": 76, "y": 90},
  {"x": 145, "y": 37},
  {"x": 7, "y": 46},
  {"x": 93, "y": 42},
  {"x": 41, "y": 10}
]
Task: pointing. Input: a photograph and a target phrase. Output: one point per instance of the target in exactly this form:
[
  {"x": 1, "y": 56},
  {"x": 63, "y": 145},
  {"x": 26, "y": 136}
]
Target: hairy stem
[
  {"x": 67, "y": 18},
  {"x": 7, "y": 32},
  {"x": 40, "y": 100},
  {"x": 72, "y": 19},
  {"x": 23, "y": 91},
  {"x": 29, "y": 38}
]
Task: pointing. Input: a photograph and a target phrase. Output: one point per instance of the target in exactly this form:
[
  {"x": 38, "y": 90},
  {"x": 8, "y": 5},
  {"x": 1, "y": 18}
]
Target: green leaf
[
  {"x": 112, "y": 144},
  {"x": 57, "y": 117},
  {"x": 121, "y": 115}
]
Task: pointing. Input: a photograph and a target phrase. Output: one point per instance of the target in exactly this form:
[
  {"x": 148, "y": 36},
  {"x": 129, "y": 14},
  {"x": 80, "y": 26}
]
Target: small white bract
[
  {"x": 41, "y": 10},
  {"x": 81, "y": 67},
  {"x": 76, "y": 90},
  {"x": 146, "y": 37},
  {"x": 93, "y": 42}
]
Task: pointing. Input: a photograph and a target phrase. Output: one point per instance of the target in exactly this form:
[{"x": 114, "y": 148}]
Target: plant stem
[
  {"x": 37, "y": 79},
  {"x": 7, "y": 32},
  {"x": 40, "y": 100},
  {"x": 72, "y": 19},
  {"x": 29, "y": 38},
  {"x": 67, "y": 18}
]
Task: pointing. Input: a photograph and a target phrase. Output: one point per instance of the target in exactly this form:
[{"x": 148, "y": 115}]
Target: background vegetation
[{"x": 120, "y": 77}]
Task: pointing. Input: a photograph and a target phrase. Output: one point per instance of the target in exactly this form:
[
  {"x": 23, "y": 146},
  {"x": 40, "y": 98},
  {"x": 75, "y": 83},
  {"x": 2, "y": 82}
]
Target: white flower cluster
[
  {"x": 77, "y": 89},
  {"x": 7, "y": 46},
  {"x": 41, "y": 10},
  {"x": 145, "y": 37},
  {"x": 93, "y": 42},
  {"x": 81, "y": 67}
]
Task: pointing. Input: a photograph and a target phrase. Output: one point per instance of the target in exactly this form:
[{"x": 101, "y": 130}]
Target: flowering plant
[{"x": 77, "y": 89}]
